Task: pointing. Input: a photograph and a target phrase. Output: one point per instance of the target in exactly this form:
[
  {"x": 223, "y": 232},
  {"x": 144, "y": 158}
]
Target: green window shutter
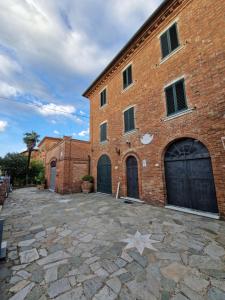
[
  {"x": 129, "y": 120},
  {"x": 164, "y": 45},
  {"x": 169, "y": 40},
  {"x": 174, "y": 43},
  {"x": 103, "y": 98},
  {"x": 170, "y": 103},
  {"x": 124, "y": 79},
  {"x": 129, "y": 75},
  {"x": 180, "y": 95},
  {"x": 126, "y": 121},
  {"x": 103, "y": 132}
]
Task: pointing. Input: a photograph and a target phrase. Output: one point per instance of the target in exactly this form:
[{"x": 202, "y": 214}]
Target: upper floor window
[
  {"x": 103, "y": 97},
  {"x": 175, "y": 97},
  {"x": 169, "y": 40},
  {"x": 103, "y": 132},
  {"x": 129, "y": 123},
  {"x": 127, "y": 77}
]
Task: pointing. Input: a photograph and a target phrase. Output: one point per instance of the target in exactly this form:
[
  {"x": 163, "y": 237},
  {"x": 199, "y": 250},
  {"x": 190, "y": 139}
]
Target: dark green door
[
  {"x": 104, "y": 179},
  {"x": 132, "y": 177},
  {"x": 189, "y": 176}
]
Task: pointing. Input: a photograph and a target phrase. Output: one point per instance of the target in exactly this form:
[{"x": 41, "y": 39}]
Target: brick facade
[
  {"x": 72, "y": 163},
  {"x": 45, "y": 144},
  {"x": 200, "y": 60}
]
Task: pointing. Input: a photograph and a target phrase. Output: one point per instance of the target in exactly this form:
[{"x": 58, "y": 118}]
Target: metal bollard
[{"x": 2, "y": 244}]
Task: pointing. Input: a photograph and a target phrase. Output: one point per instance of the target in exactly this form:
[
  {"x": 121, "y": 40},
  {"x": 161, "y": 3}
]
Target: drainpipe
[{"x": 89, "y": 165}]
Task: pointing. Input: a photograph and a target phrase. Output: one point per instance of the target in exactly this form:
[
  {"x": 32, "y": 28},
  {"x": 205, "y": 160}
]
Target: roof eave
[{"x": 126, "y": 47}]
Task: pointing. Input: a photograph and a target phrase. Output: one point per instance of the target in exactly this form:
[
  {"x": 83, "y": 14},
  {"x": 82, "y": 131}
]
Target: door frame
[{"x": 124, "y": 177}]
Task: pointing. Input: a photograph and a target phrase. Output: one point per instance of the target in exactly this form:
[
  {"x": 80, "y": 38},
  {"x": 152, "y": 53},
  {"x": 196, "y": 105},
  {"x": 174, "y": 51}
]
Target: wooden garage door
[{"x": 189, "y": 176}]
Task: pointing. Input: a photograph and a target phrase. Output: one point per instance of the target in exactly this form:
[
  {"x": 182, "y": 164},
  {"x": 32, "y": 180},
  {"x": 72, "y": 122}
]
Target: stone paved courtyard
[{"x": 70, "y": 247}]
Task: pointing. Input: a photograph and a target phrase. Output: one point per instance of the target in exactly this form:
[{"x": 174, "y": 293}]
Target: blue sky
[{"x": 50, "y": 51}]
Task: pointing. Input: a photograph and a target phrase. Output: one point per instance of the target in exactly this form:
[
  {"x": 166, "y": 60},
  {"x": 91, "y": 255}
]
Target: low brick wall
[{"x": 4, "y": 190}]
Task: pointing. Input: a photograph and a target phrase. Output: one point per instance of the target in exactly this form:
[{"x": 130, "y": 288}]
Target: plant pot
[
  {"x": 41, "y": 186},
  {"x": 86, "y": 186}
]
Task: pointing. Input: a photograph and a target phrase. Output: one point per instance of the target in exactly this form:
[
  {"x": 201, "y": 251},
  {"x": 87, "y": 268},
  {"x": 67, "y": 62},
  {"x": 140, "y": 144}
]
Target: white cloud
[
  {"x": 131, "y": 13},
  {"x": 56, "y": 132},
  {"x": 53, "y": 121},
  {"x": 8, "y": 66},
  {"x": 82, "y": 113},
  {"x": 3, "y": 125},
  {"x": 37, "y": 33},
  {"x": 84, "y": 133},
  {"x": 7, "y": 90},
  {"x": 52, "y": 109}
]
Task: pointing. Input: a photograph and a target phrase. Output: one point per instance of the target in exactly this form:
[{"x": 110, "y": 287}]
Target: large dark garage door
[
  {"x": 104, "y": 180},
  {"x": 189, "y": 176},
  {"x": 132, "y": 177}
]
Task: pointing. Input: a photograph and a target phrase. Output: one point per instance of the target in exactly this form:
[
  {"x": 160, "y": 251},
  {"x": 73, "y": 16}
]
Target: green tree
[
  {"x": 30, "y": 139},
  {"x": 14, "y": 165},
  {"x": 37, "y": 172}
]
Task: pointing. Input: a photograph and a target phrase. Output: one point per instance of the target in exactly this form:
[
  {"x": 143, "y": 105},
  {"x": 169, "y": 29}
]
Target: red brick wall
[
  {"x": 71, "y": 164},
  {"x": 201, "y": 60}
]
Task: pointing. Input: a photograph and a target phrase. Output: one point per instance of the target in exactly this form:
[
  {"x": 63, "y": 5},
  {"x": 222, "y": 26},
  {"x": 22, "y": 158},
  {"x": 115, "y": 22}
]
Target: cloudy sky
[{"x": 50, "y": 51}]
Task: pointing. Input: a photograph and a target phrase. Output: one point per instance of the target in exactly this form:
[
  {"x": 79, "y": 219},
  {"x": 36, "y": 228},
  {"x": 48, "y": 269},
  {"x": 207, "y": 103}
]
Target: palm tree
[{"x": 30, "y": 139}]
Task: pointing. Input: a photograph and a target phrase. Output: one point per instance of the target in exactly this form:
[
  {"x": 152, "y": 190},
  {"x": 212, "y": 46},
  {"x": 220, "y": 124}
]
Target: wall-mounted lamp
[{"x": 128, "y": 143}]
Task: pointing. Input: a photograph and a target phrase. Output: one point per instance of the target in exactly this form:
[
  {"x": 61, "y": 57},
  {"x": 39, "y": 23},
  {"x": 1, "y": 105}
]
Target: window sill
[
  {"x": 104, "y": 142},
  {"x": 103, "y": 106},
  {"x": 130, "y": 132},
  {"x": 171, "y": 54},
  {"x": 179, "y": 114},
  {"x": 128, "y": 87}
]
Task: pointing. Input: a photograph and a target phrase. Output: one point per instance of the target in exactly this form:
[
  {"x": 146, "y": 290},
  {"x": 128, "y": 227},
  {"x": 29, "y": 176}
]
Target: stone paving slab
[{"x": 73, "y": 248}]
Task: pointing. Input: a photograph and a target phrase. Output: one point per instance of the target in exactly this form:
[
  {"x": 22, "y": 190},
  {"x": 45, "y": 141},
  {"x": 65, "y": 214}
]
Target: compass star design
[{"x": 140, "y": 242}]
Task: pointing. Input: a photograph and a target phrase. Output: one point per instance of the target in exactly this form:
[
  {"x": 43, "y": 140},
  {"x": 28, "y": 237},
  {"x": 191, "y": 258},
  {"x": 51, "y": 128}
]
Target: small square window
[
  {"x": 103, "y": 98},
  {"x": 175, "y": 97},
  {"x": 129, "y": 123},
  {"x": 127, "y": 77},
  {"x": 103, "y": 132},
  {"x": 169, "y": 40}
]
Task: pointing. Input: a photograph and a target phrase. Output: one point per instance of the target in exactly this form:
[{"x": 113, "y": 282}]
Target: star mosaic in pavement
[{"x": 140, "y": 242}]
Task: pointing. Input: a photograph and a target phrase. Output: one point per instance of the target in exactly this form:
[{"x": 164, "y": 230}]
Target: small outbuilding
[{"x": 66, "y": 163}]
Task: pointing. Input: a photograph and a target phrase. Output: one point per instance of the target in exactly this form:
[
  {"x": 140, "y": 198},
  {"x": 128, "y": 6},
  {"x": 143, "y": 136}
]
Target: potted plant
[{"x": 87, "y": 184}]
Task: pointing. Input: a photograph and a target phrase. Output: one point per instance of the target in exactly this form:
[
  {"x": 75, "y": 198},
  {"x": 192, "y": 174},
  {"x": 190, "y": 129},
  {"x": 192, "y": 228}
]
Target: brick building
[
  {"x": 157, "y": 111},
  {"x": 45, "y": 144},
  {"x": 66, "y": 162}
]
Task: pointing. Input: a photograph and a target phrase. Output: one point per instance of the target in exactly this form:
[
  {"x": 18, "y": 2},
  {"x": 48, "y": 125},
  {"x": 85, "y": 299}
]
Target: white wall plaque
[
  {"x": 144, "y": 163},
  {"x": 146, "y": 138}
]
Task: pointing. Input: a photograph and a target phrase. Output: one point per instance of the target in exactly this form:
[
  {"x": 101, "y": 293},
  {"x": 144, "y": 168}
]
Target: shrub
[{"x": 88, "y": 178}]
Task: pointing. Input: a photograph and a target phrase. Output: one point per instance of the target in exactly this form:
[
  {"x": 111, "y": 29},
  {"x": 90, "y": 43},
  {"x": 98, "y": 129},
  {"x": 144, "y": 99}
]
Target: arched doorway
[
  {"x": 189, "y": 176},
  {"x": 52, "y": 175},
  {"x": 104, "y": 178},
  {"x": 132, "y": 177}
]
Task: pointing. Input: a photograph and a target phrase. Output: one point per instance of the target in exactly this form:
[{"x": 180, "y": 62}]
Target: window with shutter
[
  {"x": 103, "y": 132},
  {"x": 103, "y": 97},
  {"x": 169, "y": 40},
  {"x": 127, "y": 77},
  {"x": 129, "y": 123},
  {"x": 175, "y": 97}
]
